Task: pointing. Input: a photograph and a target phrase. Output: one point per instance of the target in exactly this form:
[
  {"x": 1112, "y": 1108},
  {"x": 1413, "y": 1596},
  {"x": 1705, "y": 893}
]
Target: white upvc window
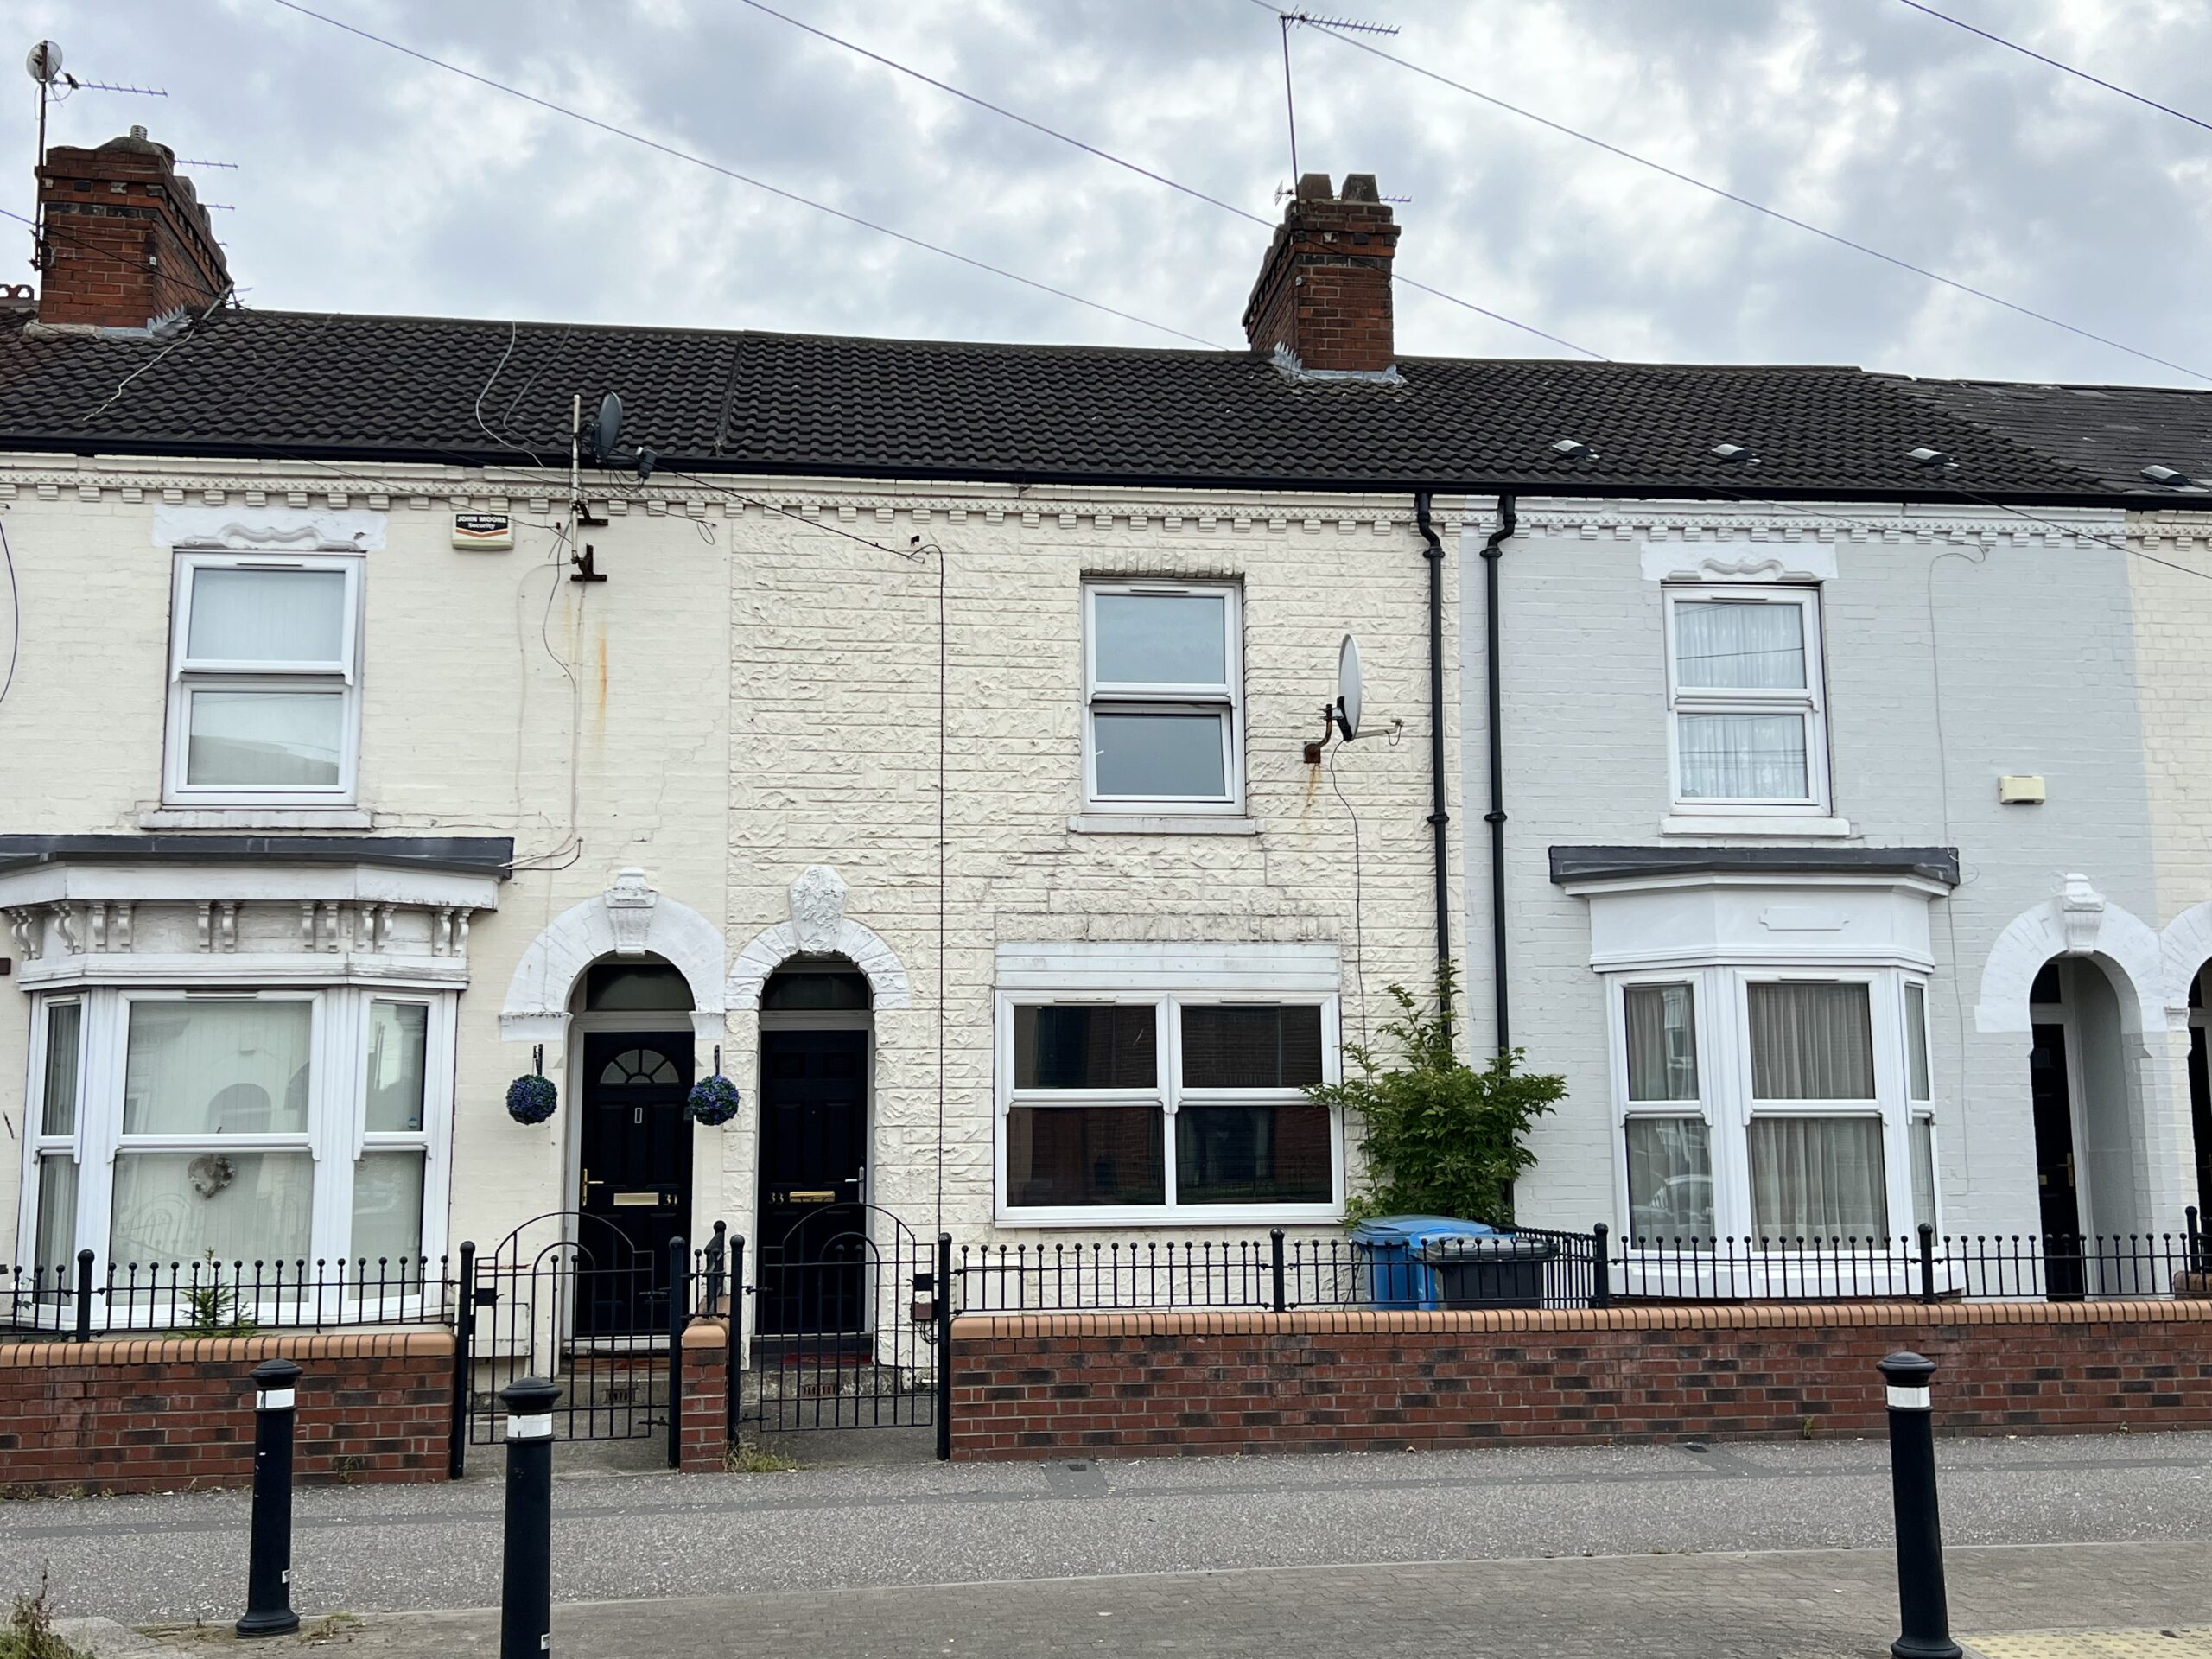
[
  {"x": 1746, "y": 705},
  {"x": 279, "y": 1129},
  {"x": 264, "y": 680},
  {"x": 1771, "y": 1104},
  {"x": 1920, "y": 1092},
  {"x": 1163, "y": 698},
  {"x": 1150, "y": 1106}
]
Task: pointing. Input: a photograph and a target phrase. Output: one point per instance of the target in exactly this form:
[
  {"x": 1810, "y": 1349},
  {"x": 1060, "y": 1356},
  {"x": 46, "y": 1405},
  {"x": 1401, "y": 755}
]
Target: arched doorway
[
  {"x": 2200, "y": 1091},
  {"x": 817, "y": 1066},
  {"x": 631, "y": 1038},
  {"x": 2088, "y": 1121}
]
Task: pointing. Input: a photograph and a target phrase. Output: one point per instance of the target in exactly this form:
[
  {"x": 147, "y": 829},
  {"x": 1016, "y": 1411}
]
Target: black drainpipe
[
  {"x": 1493, "y": 550},
  {"x": 1440, "y": 820}
]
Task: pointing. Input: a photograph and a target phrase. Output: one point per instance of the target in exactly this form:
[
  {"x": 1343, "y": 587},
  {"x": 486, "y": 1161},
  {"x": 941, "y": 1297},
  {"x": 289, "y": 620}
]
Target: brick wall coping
[
  {"x": 378, "y": 1343},
  {"x": 1696, "y": 1316},
  {"x": 705, "y": 1331}
]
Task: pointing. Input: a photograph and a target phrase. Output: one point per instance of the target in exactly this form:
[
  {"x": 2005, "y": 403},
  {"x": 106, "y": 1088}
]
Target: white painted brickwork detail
[
  {"x": 746, "y": 696},
  {"x": 2031, "y": 635}
]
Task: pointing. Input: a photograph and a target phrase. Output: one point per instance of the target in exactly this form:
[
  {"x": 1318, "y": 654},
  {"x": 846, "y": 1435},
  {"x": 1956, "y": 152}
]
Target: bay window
[
  {"x": 263, "y": 681},
  {"x": 1744, "y": 699},
  {"x": 1772, "y": 1105},
  {"x": 240, "y": 1125},
  {"x": 1156, "y": 1107}
]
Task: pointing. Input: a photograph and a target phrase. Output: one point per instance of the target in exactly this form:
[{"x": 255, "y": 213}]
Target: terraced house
[{"x": 939, "y": 742}]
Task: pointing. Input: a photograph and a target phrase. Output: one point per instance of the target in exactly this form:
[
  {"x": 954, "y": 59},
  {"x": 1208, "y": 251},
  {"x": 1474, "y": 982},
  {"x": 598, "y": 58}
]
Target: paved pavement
[
  {"x": 1817, "y": 1605},
  {"x": 973, "y": 1554}
]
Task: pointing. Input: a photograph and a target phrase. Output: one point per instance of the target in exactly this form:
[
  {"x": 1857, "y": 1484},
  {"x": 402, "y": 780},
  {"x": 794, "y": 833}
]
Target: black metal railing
[
  {"x": 1526, "y": 1266},
  {"x": 212, "y": 1297},
  {"x": 1924, "y": 1266}
]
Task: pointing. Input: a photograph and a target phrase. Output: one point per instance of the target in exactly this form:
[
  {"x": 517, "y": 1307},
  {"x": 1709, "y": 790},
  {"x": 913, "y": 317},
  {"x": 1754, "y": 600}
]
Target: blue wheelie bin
[{"x": 1393, "y": 1252}]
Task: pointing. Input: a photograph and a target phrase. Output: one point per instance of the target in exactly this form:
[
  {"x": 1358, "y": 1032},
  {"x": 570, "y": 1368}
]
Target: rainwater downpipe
[
  {"x": 1493, "y": 552},
  {"x": 1440, "y": 820}
]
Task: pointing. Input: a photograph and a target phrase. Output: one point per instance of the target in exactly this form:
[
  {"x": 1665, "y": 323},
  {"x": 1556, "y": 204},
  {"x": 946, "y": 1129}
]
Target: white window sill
[
  {"x": 1160, "y": 824},
  {"x": 1188, "y": 1216},
  {"x": 256, "y": 818},
  {"x": 1751, "y": 823}
]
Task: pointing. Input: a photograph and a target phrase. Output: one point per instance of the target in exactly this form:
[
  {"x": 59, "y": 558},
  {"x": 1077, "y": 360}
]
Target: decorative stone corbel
[
  {"x": 24, "y": 927},
  {"x": 2081, "y": 913},
  {"x": 629, "y": 911},
  {"x": 65, "y": 922},
  {"x": 818, "y": 908}
]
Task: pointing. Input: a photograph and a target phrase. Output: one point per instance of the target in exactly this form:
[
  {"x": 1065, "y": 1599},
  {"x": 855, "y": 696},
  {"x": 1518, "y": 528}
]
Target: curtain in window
[
  {"x": 1743, "y": 757},
  {"x": 1670, "y": 1178},
  {"x": 1916, "y": 1039},
  {"x": 1818, "y": 1178},
  {"x": 1662, "y": 1042},
  {"x": 1811, "y": 1041},
  {"x": 387, "y": 1215},
  {"x": 218, "y": 1068},
  {"x": 65, "y": 1023},
  {"x": 267, "y": 616},
  {"x": 1161, "y": 639},
  {"x": 1923, "y": 1172},
  {"x": 1739, "y": 644},
  {"x": 235, "y": 1206},
  {"x": 56, "y": 1244}
]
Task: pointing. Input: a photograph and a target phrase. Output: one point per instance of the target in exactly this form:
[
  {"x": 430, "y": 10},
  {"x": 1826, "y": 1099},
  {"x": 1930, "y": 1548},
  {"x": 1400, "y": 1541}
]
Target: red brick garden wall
[
  {"x": 1044, "y": 1386},
  {"x": 702, "y": 1439},
  {"x": 118, "y": 1415}
]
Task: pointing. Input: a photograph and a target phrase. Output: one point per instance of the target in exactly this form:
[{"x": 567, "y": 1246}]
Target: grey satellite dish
[
  {"x": 44, "y": 61},
  {"x": 606, "y": 430},
  {"x": 1348, "y": 689}
]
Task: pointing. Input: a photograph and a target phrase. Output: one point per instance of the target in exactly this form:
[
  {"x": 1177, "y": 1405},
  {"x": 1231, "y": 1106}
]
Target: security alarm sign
[{"x": 489, "y": 532}]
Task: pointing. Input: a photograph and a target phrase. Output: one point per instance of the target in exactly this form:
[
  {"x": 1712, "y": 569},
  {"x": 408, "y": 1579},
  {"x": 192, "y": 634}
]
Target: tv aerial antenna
[
  {"x": 57, "y": 86},
  {"x": 1343, "y": 25}
]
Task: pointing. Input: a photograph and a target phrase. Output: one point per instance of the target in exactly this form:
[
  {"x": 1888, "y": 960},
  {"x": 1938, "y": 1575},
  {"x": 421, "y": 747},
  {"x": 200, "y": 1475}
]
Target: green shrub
[{"x": 1441, "y": 1137}]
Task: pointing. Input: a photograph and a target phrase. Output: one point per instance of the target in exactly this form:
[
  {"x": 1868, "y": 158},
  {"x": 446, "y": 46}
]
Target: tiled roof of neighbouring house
[
  {"x": 256, "y": 383},
  {"x": 2112, "y": 432}
]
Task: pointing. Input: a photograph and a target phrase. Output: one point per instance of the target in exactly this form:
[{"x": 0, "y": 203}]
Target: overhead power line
[
  {"x": 694, "y": 160},
  {"x": 2063, "y": 68},
  {"x": 1681, "y": 177},
  {"x": 1143, "y": 172}
]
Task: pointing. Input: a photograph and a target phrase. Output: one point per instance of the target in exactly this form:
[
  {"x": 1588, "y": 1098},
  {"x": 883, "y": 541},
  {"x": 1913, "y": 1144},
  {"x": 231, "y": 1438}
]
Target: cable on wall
[{"x": 15, "y": 610}]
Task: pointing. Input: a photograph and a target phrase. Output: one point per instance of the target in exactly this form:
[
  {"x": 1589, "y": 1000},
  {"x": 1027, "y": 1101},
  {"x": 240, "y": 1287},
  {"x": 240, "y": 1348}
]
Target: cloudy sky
[{"x": 369, "y": 180}]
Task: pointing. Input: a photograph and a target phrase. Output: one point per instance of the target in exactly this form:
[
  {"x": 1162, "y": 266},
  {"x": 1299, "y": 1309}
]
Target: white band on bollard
[
  {"x": 538, "y": 1428},
  {"x": 272, "y": 1400},
  {"x": 1908, "y": 1398}
]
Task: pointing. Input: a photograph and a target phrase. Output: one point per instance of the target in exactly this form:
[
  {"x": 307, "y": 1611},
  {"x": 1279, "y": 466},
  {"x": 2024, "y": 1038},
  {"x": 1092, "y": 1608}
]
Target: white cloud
[{"x": 371, "y": 181}]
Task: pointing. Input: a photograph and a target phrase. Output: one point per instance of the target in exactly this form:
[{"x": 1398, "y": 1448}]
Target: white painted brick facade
[
  {"x": 2034, "y": 636},
  {"x": 748, "y": 695}
]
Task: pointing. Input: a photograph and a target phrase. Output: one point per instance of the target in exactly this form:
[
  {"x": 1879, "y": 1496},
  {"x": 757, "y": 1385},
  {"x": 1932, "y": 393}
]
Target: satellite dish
[
  {"x": 606, "y": 430},
  {"x": 1348, "y": 698},
  {"x": 44, "y": 62}
]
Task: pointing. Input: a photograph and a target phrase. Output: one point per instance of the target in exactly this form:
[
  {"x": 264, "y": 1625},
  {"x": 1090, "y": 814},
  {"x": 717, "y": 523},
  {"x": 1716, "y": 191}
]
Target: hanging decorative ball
[
  {"x": 714, "y": 1101},
  {"x": 531, "y": 1099}
]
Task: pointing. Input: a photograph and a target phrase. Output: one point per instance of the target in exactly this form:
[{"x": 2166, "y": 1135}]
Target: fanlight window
[{"x": 635, "y": 1065}]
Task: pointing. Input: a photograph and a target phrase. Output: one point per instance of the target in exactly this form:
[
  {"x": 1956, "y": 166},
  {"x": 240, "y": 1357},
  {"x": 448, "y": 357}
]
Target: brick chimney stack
[
  {"x": 1324, "y": 292},
  {"x": 125, "y": 239}
]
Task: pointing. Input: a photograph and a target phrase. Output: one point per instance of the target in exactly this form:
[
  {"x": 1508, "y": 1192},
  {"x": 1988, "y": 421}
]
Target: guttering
[
  {"x": 1493, "y": 552},
  {"x": 119, "y": 446},
  {"x": 1440, "y": 820}
]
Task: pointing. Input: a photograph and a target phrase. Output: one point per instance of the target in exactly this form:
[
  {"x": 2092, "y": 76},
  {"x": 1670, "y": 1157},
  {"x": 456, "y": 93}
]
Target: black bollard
[
  {"x": 1923, "y": 1608},
  {"x": 526, "y": 1576},
  {"x": 269, "y": 1560}
]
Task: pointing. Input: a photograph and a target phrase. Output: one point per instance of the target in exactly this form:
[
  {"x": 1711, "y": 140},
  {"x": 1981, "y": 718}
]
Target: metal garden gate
[{"x": 850, "y": 1317}]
